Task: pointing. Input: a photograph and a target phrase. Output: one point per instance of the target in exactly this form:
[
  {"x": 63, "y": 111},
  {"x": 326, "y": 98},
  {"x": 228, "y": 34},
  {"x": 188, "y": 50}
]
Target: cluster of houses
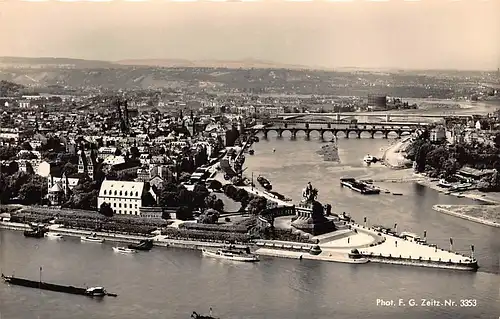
[{"x": 159, "y": 141}]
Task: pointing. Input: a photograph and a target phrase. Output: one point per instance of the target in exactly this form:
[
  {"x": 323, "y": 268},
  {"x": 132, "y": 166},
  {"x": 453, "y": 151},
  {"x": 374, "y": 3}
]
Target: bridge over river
[{"x": 347, "y": 129}]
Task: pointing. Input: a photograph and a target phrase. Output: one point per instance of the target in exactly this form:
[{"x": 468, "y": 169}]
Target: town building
[
  {"x": 124, "y": 197},
  {"x": 437, "y": 134}
]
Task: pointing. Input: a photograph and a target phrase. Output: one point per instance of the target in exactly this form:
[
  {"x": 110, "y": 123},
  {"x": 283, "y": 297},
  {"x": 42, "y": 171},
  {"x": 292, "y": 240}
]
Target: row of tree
[{"x": 442, "y": 160}]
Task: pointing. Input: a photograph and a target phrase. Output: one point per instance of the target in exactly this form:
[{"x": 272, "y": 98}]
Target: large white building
[{"x": 124, "y": 197}]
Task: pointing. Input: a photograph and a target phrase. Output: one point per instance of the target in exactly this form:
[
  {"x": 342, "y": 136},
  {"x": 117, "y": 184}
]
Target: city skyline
[{"x": 397, "y": 34}]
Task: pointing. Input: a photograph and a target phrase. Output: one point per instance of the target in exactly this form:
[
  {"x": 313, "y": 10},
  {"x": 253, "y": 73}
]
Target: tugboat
[
  {"x": 264, "y": 182},
  {"x": 231, "y": 254},
  {"x": 145, "y": 245},
  {"x": 92, "y": 239}
]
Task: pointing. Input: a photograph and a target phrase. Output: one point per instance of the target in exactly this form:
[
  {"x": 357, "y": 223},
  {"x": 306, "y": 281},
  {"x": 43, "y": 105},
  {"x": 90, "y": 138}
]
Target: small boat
[
  {"x": 231, "y": 254},
  {"x": 195, "y": 315},
  {"x": 251, "y": 151},
  {"x": 92, "y": 239},
  {"x": 56, "y": 236},
  {"x": 368, "y": 159},
  {"x": 146, "y": 244},
  {"x": 264, "y": 182},
  {"x": 96, "y": 292},
  {"x": 124, "y": 250}
]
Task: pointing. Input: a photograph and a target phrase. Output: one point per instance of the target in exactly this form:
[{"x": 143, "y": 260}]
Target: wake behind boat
[
  {"x": 124, "y": 250},
  {"x": 92, "y": 239},
  {"x": 231, "y": 254}
]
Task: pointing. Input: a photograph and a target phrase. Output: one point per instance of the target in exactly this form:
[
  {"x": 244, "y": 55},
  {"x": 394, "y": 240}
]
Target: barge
[
  {"x": 358, "y": 186},
  {"x": 89, "y": 292}
]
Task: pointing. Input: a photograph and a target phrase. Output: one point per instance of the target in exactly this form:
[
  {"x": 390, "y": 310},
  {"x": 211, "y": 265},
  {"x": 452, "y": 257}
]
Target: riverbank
[
  {"x": 483, "y": 214},
  {"x": 393, "y": 156},
  {"x": 159, "y": 240},
  {"x": 375, "y": 247}
]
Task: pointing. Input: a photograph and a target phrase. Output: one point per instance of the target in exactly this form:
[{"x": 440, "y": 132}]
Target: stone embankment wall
[
  {"x": 470, "y": 266},
  {"x": 443, "y": 209}
]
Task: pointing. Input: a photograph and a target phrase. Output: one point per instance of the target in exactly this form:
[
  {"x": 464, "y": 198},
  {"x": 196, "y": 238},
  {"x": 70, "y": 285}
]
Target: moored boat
[
  {"x": 124, "y": 250},
  {"x": 231, "y": 254},
  {"x": 92, "y": 239},
  {"x": 145, "y": 244},
  {"x": 264, "y": 182},
  {"x": 35, "y": 233},
  {"x": 55, "y": 236}
]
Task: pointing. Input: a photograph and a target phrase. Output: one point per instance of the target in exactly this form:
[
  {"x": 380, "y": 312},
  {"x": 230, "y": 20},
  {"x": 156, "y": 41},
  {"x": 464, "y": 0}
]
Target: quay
[
  {"x": 335, "y": 246},
  {"x": 373, "y": 246}
]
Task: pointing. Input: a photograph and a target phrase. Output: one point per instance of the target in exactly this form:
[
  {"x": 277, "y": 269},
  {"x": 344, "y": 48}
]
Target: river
[{"x": 170, "y": 283}]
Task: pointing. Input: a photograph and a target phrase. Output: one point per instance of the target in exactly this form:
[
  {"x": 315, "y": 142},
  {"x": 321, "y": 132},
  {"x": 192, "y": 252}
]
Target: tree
[
  {"x": 8, "y": 153},
  {"x": 210, "y": 216},
  {"x": 257, "y": 205},
  {"x": 27, "y": 156},
  {"x": 106, "y": 210},
  {"x": 70, "y": 169},
  {"x": 184, "y": 213},
  {"x": 134, "y": 152},
  {"x": 26, "y": 146},
  {"x": 497, "y": 140}
]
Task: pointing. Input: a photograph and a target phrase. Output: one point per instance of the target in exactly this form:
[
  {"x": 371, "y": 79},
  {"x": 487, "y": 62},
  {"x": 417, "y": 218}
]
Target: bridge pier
[
  {"x": 280, "y": 133},
  {"x": 386, "y": 134},
  {"x": 359, "y": 134},
  {"x": 347, "y": 134},
  {"x": 373, "y": 134},
  {"x": 387, "y": 118},
  {"x": 293, "y": 135},
  {"x": 308, "y": 134},
  {"x": 337, "y": 117},
  {"x": 265, "y": 133}
]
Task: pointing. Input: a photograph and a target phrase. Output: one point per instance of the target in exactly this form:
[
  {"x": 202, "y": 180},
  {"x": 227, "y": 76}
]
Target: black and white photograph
[{"x": 249, "y": 159}]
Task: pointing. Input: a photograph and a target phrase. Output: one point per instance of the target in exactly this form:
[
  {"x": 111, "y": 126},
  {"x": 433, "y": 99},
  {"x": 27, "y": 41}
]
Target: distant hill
[
  {"x": 10, "y": 89},
  {"x": 236, "y": 64},
  {"x": 44, "y": 62}
]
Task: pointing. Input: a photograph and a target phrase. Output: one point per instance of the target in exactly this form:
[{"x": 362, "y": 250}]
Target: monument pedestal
[{"x": 311, "y": 219}]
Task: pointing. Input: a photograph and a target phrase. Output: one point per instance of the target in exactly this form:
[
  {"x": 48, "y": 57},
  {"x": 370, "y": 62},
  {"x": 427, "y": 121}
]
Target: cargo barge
[
  {"x": 358, "y": 186},
  {"x": 89, "y": 292}
]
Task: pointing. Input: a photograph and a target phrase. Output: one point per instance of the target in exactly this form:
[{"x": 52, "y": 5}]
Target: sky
[{"x": 426, "y": 34}]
